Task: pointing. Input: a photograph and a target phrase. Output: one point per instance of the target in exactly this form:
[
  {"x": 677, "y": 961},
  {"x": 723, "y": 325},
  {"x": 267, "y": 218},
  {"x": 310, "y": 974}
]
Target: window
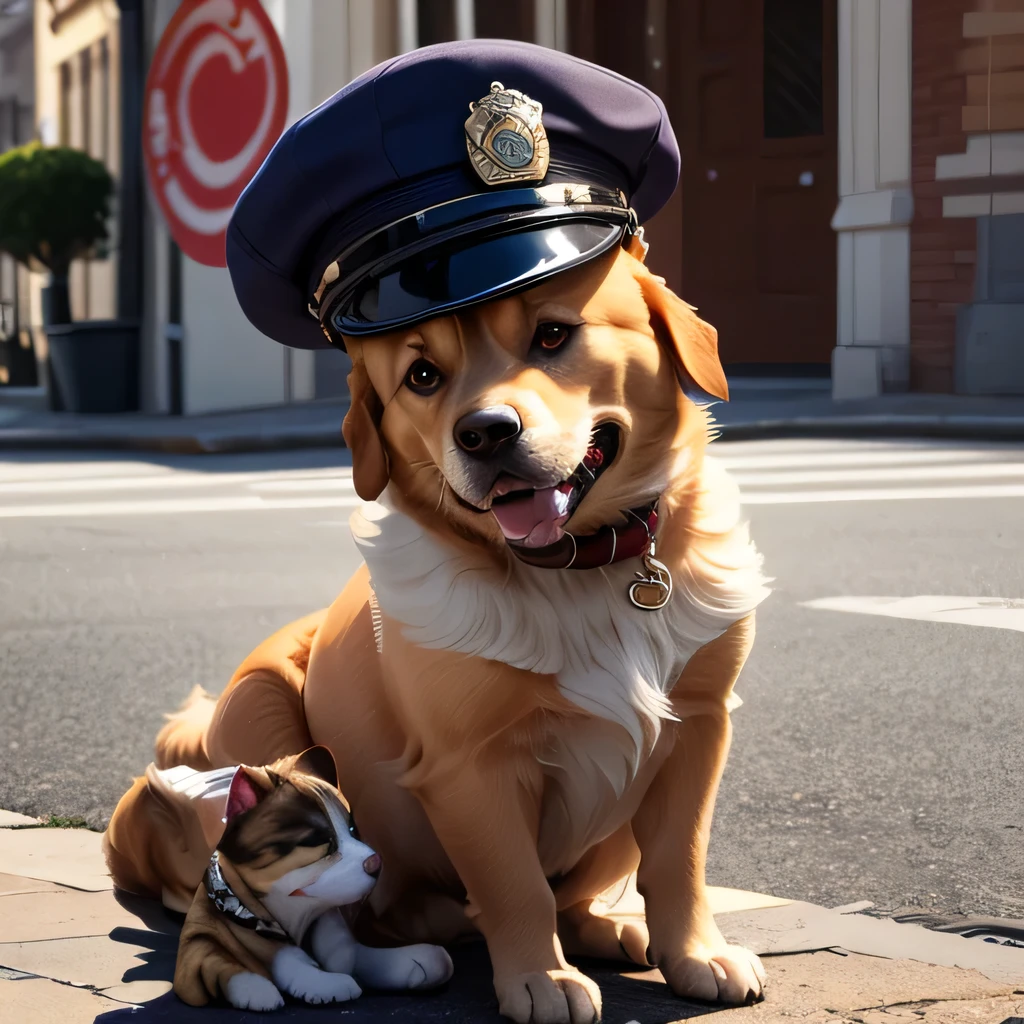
[
  {"x": 64, "y": 134},
  {"x": 85, "y": 70},
  {"x": 105, "y": 100},
  {"x": 793, "y": 43},
  {"x": 435, "y": 21},
  {"x": 511, "y": 19}
]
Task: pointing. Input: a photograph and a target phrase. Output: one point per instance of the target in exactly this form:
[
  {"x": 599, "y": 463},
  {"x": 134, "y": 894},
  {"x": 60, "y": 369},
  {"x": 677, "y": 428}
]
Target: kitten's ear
[
  {"x": 245, "y": 793},
  {"x": 318, "y": 761}
]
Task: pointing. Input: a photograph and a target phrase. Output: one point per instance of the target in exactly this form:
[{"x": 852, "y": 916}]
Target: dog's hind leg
[
  {"x": 259, "y": 717},
  {"x": 600, "y": 913},
  {"x": 257, "y": 721}
]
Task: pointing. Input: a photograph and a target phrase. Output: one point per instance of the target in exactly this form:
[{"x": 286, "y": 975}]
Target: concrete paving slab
[
  {"x": 12, "y": 819},
  {"x": 64, "y": 914},
  {"x": 11, "y": 885},
  {"x": 824, "y": 986},
  {"x": 624, "y": 901},
  {"x": 802, "y": 927},
  {"x": 38, "y": 1001},
  {"x": 68, "y": 856},
  {"x": 91, "y": 960},
  {"x": 727, "y": 901}
]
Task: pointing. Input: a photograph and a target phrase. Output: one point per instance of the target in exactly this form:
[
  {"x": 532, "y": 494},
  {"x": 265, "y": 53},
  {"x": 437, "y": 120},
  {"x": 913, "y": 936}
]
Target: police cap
[{"x": 443, "y": 178}]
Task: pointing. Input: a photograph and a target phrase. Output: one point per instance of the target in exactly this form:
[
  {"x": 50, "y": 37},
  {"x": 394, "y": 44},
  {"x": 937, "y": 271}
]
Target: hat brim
[{"x": 468, "y": 271}]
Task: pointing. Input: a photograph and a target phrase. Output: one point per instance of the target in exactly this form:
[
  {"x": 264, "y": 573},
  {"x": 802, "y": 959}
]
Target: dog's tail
[{"x": 182, "y": 739}]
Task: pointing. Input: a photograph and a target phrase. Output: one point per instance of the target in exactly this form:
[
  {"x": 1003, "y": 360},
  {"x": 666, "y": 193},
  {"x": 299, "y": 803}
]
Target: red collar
[{"x": 610, "y": 544}]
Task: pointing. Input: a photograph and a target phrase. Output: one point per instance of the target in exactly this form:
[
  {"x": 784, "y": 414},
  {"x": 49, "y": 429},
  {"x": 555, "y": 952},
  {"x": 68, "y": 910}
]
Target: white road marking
[
  {"x": 832, "y": 458},
  {"x": 996, "y": 612},
  {"x": 175, "y": 506},
  {"x": 14, "y": 471},
  {"x": 783, "y": 472},
  {"x": 967, "y": 471},
  {"x": 891, "y": 494},
  {"x": 308, "y": 479},
  {"x": 336, "y": 483}
]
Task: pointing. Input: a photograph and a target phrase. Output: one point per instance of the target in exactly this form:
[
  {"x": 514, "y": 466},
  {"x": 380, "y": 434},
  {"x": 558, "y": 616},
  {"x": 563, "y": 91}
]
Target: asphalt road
[{"x": 875, "y": 758}]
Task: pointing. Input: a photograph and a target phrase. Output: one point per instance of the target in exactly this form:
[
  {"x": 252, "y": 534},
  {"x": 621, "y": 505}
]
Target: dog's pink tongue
[{"x": 535, "y": 521}]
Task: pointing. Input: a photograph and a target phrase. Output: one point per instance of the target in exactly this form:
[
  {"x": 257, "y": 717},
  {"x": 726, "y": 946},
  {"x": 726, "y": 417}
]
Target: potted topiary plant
[{"x": 54, "y": 208}]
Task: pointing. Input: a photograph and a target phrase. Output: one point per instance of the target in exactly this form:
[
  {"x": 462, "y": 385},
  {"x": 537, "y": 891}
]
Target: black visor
[
  {"x": 428, "y": 266},
  {"x": 455, "y": 277}
]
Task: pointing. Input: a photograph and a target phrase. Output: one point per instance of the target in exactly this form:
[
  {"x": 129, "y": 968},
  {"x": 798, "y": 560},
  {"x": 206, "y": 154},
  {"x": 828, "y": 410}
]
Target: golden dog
[{"x": 515, "y": 740}]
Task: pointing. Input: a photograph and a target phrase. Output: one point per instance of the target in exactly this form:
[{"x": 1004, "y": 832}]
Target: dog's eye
[
  {"x": 423, "y": 378},
  {"x": 550, "y": 337}
]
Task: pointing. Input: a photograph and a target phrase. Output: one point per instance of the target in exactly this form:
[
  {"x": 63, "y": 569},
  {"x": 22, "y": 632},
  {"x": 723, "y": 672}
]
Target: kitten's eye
[
  {"x": 317, "y": 837},
  {"x": 423, "y": 378},
  {"x": 549, "y": 337},
  {"x": 353, "y": 831}
]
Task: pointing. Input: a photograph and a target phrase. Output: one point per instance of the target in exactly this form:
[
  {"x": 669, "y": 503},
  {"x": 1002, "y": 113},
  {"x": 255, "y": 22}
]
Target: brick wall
[
  {"x": 942, "y": 250},
  {"x": 968, "y": 76}
]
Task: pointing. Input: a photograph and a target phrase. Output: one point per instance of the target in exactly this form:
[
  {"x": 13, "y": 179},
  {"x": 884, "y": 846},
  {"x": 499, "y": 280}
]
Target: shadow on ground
[{"x": 468, "y": 998}]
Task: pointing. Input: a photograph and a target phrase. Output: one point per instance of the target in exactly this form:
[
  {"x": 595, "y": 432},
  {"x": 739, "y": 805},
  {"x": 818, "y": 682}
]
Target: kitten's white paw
[
  {"x": 403, "y": 968},
  {"x": 248, "y": 991},
  {"x": 299, "y": 976},
  {"x": 431, "y": 966},
  {"x": 326, "y": 988}
]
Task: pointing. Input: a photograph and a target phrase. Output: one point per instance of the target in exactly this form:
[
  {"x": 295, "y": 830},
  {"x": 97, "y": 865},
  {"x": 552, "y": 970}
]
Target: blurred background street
[{"x": 875, "y": 757}]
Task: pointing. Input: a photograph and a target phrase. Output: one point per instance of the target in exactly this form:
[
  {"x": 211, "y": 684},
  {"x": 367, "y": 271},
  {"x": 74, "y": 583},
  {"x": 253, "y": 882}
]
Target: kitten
[{"x": 269, "y": 918}]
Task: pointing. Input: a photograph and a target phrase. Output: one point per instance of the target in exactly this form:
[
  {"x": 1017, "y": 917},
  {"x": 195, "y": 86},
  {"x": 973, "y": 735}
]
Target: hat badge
[{"x": 505, "y": 137}]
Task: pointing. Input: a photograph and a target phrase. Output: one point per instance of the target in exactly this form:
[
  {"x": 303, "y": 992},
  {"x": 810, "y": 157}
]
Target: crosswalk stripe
[
  {"x": 343, "y": 483},
  {"x": 805, "y": 460},
  {"x": 782, "y": 472},
  {"x": 308, "y": 479},
  {"x": 827, "y": 476},
  {"x": 878, "y": 494},
  {"x": 174, "y": 506}
]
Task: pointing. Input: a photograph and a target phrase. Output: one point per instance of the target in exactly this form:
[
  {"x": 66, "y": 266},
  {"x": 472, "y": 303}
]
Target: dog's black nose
[{"x": 480, "y": 433}]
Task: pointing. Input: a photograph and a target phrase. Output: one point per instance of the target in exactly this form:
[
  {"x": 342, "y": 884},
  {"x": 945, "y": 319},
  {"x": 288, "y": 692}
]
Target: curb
[{"x": 987, "y": 428}]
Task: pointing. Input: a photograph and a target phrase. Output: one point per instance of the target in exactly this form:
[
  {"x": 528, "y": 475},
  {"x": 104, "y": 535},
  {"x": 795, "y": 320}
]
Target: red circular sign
[{"x": 216, "y": 101}]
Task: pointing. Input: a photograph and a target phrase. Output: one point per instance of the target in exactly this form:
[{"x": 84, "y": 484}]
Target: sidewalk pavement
[
  {"x": 73, "y": 952},
  {"x": 757, "y": 409}
]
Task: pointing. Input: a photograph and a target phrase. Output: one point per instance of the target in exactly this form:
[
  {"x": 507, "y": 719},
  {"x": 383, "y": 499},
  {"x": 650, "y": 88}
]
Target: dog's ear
[
  {"x": 694, "y": 342},
  {"x": 361, "y": 430}
]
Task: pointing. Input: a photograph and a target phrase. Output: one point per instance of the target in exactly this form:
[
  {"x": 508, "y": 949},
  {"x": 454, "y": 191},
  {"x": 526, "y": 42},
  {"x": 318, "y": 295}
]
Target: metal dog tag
[{"x": 652, "y": 589}]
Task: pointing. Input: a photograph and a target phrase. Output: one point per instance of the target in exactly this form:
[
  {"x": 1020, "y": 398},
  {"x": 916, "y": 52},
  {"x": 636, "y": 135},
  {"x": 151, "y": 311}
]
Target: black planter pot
[{"x": 95, "y": 365}]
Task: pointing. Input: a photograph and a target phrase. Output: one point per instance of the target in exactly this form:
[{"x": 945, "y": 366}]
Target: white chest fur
[{"x": 613, "y": 660}]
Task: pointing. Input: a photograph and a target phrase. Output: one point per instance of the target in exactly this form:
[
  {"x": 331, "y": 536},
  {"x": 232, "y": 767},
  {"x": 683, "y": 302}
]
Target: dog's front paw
[
  {"x": 248, "y": 991},
  {"x": 549, "y": 997},
  {"x": 715, "y": 972}
]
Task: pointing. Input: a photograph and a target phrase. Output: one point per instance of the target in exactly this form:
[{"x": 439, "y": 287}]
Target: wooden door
[{"x": 752, "y": 86}]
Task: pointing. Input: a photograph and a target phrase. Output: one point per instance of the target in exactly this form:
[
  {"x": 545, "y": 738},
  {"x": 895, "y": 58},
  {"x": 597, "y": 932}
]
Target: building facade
[
  {"x": 851, "y": 201},
  {"x": 17, "y": 125}
]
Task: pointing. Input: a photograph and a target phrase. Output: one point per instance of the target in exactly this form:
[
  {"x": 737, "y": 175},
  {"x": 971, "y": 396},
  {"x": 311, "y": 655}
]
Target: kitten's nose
[{"x": 372, "y": 865}]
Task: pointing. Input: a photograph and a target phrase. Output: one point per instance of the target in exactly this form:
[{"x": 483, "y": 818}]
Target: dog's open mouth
[{"x": 536, "y": 517}]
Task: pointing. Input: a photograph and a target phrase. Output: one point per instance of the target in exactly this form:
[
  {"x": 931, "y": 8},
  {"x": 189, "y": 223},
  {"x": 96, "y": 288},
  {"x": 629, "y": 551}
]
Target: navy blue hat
[{"x": 443, "y": 178}]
